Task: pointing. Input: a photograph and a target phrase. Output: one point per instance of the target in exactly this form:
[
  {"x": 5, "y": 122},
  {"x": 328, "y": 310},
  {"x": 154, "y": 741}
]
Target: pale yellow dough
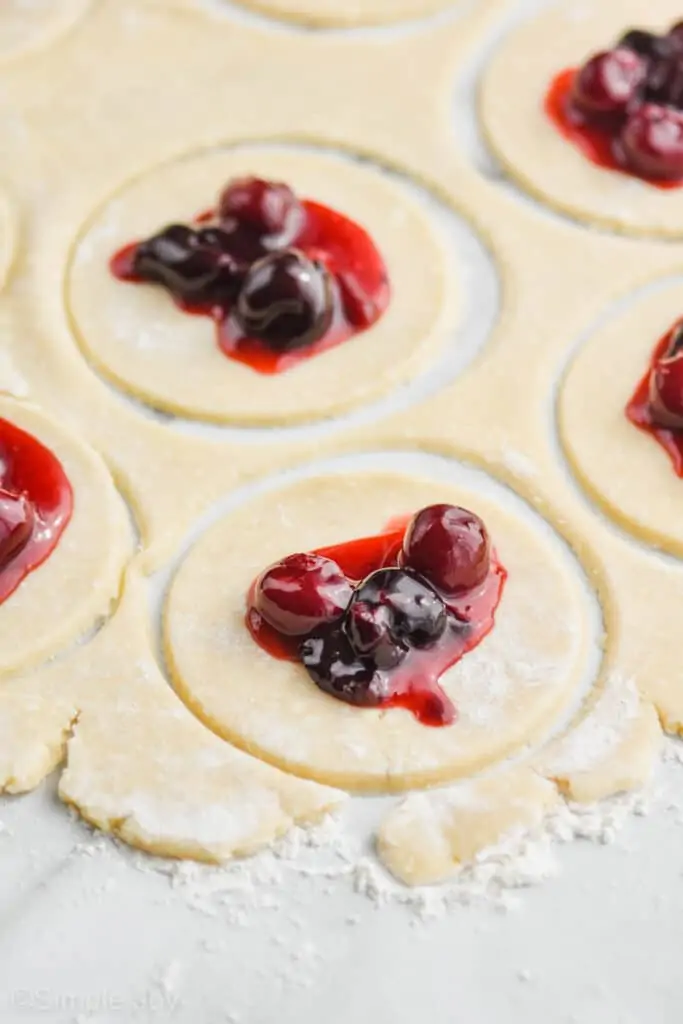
[
  {"x": 138, "y": 763},
  {"x": 347, "y": 13},
  {"x": 8, "y": 235},
  {"x": 172, "y": 788},
  {"x": 622, "y": 468},
  {"x": 80, "y": 579},
  {"x": 508, "y": 690},
  {"x": 156, "y": 94},
  {"x": 429, "y": 835},
  {"x": 611, "y": 748},
  {"x": 27, "y": 25},
  {"x": 138, "y": 337},
  {"x": 533, "y": 151}
]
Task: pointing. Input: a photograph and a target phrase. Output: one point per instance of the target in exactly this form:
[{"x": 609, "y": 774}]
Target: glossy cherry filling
[
  {"x": 370, "y": 628},
  {"x": 36, "y": 503},
  {"x": 623, "y": 108},
  {"x": 283, "y": 279},
  {"x": 657, "y": 403}
]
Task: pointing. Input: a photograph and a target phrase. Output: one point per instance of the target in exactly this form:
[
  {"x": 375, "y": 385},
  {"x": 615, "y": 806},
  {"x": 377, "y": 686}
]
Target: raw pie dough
[
  {"x": 136, "y": 336},
  {"x": 533, "y": 151},
  {"x": 424, "y": 839},
  {"x": 8, "y": 233},
  {"x": 139, "y": 764},
  {"x": 611, "y": 748},
  {"x": 31, "y": 24},
  {"x": 80, "y": 580},
  {"x": 347, "y": 13},
  {"x": 104, "y": 704},
  {"x": 509, "y": 690},
  {"x": 622, "y": 468}
]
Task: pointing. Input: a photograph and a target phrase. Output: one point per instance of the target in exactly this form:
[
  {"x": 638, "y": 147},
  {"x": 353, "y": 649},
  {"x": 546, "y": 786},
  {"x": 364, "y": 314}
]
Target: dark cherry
[
  {"x": 646, "y": 44},
  {"x": 675, "y": 35},
  {"x": 391, "y": 611},
  {"x": 17, "y": 521},
  {"x": 175, "y": 259},
  {"x": 665, "y": 81},
  {"x": 336, "y": 668},
  {"x": 651, "y": 143},
  {"x": 268, "y": 208},
  {"x": 369, "y": 628},
  {"x": 302, "y": 592},
  {"x": 286, "y": 301},
  {"x": 231, "y": 262},
  {"x": 666, "y": 384},
  {"x": 675, "y": 345},
  {"x": 449, "y": 546},
  {"x": 608, "y": 82},
  {"x": 212, "y": 238},
  {"x": 241, "y": 242},
  {"x": 220, "y": 243}
]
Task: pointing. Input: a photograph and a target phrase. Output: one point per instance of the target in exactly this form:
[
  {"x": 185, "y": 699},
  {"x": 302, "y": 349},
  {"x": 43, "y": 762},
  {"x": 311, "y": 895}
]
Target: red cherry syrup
[
  {"x": 415, "y": 682},
  {"x": 30, "y": 476},
  {"x": 595, "y": 139},
  {"x": 348, "y": 253},
  {"x": 639, "y": 410}
]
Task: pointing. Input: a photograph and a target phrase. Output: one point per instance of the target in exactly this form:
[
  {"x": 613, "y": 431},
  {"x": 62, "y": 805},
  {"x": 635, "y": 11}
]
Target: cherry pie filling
[
  {"x": 377, "y": 621},
  {"x": 283, "y": 278},
  {"x": 623, "y": 108},
  {"x": 36, "y": 503},
  {"x": 657, "y": 403}
]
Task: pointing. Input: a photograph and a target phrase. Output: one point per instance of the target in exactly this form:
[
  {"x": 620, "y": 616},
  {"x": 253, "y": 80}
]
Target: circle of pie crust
[
  {"x": 79, "y": 580},
  {"x": 30, "y": 26},
  {"x": 530, "y": 147},
  {"x": 622, "y": 468},
  {"x": 137, "y": 337},
  {"x": 508, "y": 691}
]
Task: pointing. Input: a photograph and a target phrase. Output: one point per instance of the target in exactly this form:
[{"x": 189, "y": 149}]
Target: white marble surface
[{"x": 92, "y": 937}]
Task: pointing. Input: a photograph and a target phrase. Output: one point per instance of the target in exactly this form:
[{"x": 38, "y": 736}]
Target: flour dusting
[
  {"x": 598, "y": 735},
  {"x": 330, "y": 853}
]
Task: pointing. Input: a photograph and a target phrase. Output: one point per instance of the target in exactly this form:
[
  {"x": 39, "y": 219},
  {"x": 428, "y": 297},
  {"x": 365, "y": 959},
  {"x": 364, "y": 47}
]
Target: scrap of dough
[
  {"x": 141, "y": 766},
  {"x": 137, "y": 337},
  {"x": 347, "y": 13},
  {"x": 174, "y": 789},
  {"x": 78, "y": 582},
  {"x": 611, "y": 749},
  {"x": 429, "y": 835},
  {"x": 622, "y": 468},
  {"x": 31, "y": 25},
  {"x": 35, "y": 719},
  {"x": 508, "y": 690},
  {"x": 530, "y": 147}
]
